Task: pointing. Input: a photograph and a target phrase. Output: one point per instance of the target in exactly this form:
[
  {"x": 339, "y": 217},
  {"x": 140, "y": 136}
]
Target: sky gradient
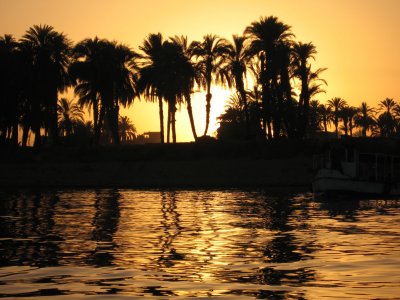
[{"x": 358, "y": 40}]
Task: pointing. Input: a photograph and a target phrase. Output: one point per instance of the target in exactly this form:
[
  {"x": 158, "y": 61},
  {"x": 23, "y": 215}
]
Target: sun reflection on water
[{"x": 167, "y": 243}]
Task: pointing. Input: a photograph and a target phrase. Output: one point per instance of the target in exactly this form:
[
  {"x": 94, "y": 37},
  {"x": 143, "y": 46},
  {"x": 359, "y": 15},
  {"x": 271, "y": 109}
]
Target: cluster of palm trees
[
  {"x": 383, "y": 121},
  {"x": 264, "y": 67}
]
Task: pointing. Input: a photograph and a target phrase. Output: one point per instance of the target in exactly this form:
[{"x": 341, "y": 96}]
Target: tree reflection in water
[
  {"x": 105, "y": 225},
  {"x": 31, "y": 224}
]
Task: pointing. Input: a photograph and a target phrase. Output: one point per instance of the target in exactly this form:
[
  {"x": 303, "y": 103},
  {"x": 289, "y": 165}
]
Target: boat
[{"x": 348, "y": 171}]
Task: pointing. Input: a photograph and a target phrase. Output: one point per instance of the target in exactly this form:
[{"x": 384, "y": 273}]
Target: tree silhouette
[
  {"x": 190, "y": 76},
  {"x": 85, "y": 70},
  {"x": 211, "y": 55},
  {"x": 11, "y": 86},
  {"x": 264, "y": 36},
  {"x": 237, "y": 60},
  {"x": 365, "y": 118},
  {"x": 336, "y": 105},
  {"x": 150, "y": 76},
  {"x": 49, "y": 51},
  {"x": 127, "y": 129},
  {"x": 70, "y": 115}
]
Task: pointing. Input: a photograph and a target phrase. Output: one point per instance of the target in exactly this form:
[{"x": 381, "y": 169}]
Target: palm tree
[
  {"x": 191, "y": 74},
  {"x": 211, "y": 55},
  {"x": 119, "y": 85},
  {"x": 264, "y": 36},
  {"x": 302, "y": 70},
  {"x": 10, "y": 88},
  {"x": 386, "y": 120},
  {"x": 348, "y": 114},
  {"x": 150, "y": 82},
  {"x": 365, "y": 118},
  {"x": 387, "y": 106},
  {"x": 326, "y": 115},
  {"x": 236, "y": 67},
  {"x": 49, "y": 51},
  {"x": 85, "y": 71},
  {"x": 336, "y": 105},
  {"x": 127, "y": 129},
  {"x": 70, "y": 115}
]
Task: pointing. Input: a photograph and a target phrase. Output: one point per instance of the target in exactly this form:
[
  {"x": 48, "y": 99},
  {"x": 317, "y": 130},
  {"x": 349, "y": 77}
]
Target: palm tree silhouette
[
  {"x": 302, "y": 70},
  {"x": 336, "y": 105},
  {"x": 326, "y": 116},
  {"x": 49, "y": 52},
  {"x": 348, "y": 114},
  {"x": 11, "y": 88},
  {"x": 191, "y": 74},
  {"x": 127, "y": 129},
  {"x": 237, "y": 61},
  {"x": 365, "y": 118},
  {"x": 70, "y": 115},
  {"x": 264, "y": 36},
  {"x": 85, "y": 71},
  {"x": 150, "y": 82},
  {"x": 386, "y": 120},
  {"x": 108, "y": 73},
  {"x": 211, "y": 55}
]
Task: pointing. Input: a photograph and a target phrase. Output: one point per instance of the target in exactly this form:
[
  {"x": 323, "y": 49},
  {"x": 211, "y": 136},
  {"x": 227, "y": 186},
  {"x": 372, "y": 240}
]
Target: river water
[{"x": 196, "y": 244}]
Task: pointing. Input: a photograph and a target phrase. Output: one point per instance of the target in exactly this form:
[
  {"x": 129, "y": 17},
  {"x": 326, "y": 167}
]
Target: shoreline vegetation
[
  {"x": 275, "y": 88},
  {"x": 272, "y": 125}
]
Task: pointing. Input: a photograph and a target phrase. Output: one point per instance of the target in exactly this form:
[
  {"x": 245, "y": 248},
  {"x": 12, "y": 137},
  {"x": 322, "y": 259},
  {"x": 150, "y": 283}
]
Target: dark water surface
[{"x": 131, "y": 244}]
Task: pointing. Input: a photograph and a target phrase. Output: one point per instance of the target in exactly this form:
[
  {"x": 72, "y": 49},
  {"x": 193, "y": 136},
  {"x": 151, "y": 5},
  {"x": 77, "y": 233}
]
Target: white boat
[{"x": 349, "y": 171}]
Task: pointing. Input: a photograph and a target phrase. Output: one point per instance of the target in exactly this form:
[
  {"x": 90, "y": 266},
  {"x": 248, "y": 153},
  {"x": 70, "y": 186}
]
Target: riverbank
[
  {"x": 188, "y": 165},
  {"x": 281, "y": 164},
  {"x": 210, "y": 173}
]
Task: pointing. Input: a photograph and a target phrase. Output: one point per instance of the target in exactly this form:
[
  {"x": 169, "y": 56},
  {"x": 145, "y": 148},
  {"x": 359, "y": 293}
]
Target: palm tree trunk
[
  {"x": 100, "y": 124},
  {"x": 25, "y": 133},
  {"x": 208, "y": 108},
  {"x": 96, "y": 122},
  {"x": 37, "y": 141},
  {"x": 161, "y": 113},
  {"x": 190, "y": 112},
  {"x": 115, "y": 131},
  {"x": 15, "y": 134},
  {"x": 169, "y": 122},
  {"x": 173, "y": 121}
]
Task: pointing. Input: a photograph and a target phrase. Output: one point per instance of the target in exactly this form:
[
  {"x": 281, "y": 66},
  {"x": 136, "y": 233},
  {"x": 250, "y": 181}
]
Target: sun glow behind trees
[{"x": 348, "y": 37}]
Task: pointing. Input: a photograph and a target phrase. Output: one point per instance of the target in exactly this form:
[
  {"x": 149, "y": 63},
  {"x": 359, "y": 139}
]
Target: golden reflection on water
[{"x": 197, "y": 244}]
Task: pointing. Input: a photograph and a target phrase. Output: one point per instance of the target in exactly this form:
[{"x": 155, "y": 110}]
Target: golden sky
[{"x": 357, "y": 40}]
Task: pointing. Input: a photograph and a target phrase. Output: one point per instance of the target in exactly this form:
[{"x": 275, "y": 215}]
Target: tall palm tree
[
  {"x": 211, "y": 55},
  {"x": 386, "y": 119},
  {"x": 118, "y": 82},
  {"x": 191, "y": 73},
  {"x": 264, "y": 36},
  {"x": 127, "y": 129},
  {"x": 237, "y": 60},
  {"x": 49, "y": 51},
  {"x": 336, "y": 105},
  {"x": 70, "y": 115},
  {"x": 326, "y": 115},
  {"x": 302, "y": 70},
  {"x": 348, "y": 114},
  {"x": 85, "y": 72},
  {"x": 10, "y": 88},
  {"x": 365, "y": 118},
  {"x": 150, "y": 81},
  {"x": 387, "y": 106}
]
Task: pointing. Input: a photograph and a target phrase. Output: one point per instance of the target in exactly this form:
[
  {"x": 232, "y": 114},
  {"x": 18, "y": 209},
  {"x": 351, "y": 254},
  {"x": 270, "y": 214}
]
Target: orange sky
[{"x": 357, "y": 40}]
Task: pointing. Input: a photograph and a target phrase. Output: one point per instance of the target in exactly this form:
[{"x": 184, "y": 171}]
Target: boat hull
[{"x": 332, "y": 181}]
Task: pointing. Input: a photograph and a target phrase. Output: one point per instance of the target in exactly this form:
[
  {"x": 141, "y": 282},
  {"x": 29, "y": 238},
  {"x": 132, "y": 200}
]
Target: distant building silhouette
[{"x": 148, "y": 137}]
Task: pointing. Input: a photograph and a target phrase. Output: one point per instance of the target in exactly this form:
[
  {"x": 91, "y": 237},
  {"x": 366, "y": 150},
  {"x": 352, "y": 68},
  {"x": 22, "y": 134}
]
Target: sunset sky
[{"x": 357, "y": 40}]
